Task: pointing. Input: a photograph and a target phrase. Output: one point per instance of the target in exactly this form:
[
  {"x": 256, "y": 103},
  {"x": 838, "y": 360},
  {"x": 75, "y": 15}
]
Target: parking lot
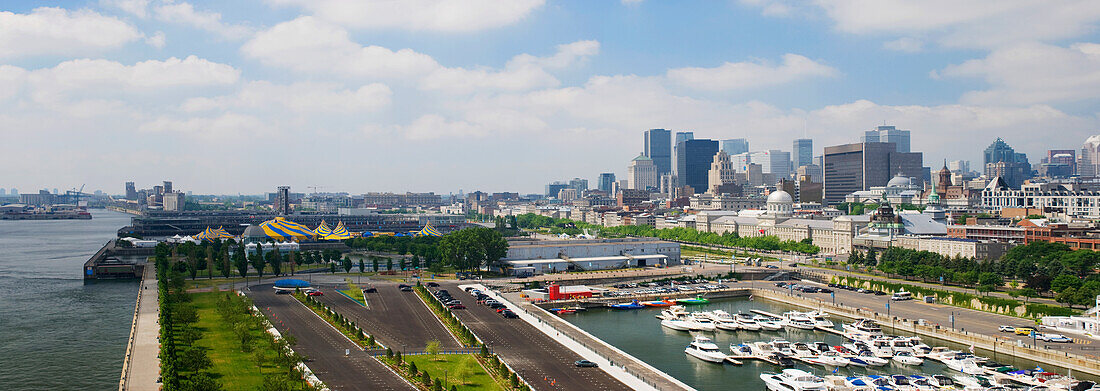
[{"x": 396, "y": 319}]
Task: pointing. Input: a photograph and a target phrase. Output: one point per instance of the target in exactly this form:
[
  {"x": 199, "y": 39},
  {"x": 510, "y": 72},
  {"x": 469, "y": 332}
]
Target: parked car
[
  {"x": 433, "y": 284},
  {"x": 1059, "y": 338},
  {"x": 585, "y": 364},
  {"x": 406, "y": 289},
  {"x": 315, "y": 293},
  {"x": 456, "y": 306},
  {"x": 771, "y": 267},
  {"x": 1007, "y": 329},
  {"x": 509, "y": 314},
  {"x": 1024, "y": 330},
  {"x": 282, "y": 292}
]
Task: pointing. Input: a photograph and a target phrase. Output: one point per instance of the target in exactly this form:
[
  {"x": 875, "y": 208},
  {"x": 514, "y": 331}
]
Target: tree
[
  {"x": 432, "y": 348},
  {"x": 275, "y": 259},
  {"x": 1067, "y": 296},
  {"x": 401, "y": 264},
  {"x": 362, "y": 266},
  {"x": 374, "y": 263},
  {"x": 1063, "y": 282},
  {"x": 1081, "y": 262},
  {"x": 201, "y": 381},
  {"x": 209, "y": 262},
  {"x": 346, "y": 264},
  {"x": 870, "y": 260},
  {"x": 292, "y": 259},
  {"x": 332, "y": 268},
  {"x": 415, "y": 262},
  {"x": 258, "y": 261},
  {"x": 240, "y": 261},
  {"x": 389, "y": 264},
  {"x": 226, "y": 269}
]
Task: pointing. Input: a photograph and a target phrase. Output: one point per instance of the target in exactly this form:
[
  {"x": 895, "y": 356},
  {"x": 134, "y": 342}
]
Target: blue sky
[{"x": 423, "y": 95}]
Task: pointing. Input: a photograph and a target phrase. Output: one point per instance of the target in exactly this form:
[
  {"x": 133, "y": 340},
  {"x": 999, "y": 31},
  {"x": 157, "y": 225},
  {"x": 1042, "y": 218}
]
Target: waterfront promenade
[{"x": 141, "y": 368}]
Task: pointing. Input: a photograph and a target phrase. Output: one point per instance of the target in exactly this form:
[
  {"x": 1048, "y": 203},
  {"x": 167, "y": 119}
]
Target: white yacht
[
  {"x": 882, "y": 347},
  {"x": 906, "y": 358},
  {"x": 917, "y": 346},
  {"x": 763, "y": 349},
  {"x": 967, "y": 365},
  {"x": 724, "y": 321},
  {"x": 829, "y": 359},
  {"x": 793, "y": 380},
  {"x": 673, "y": 312},
  {"x": 705, "y": 349},
  {"x": 939, "y": 353},
  {"x": 745, "y": 322},
  {"x": 801, "y": 349},
  {"x": 862, "y": 329},
  {"x": 741, "y": 350},
  {"x": 798, "y": 320},
  {"x": 702, "y": 321},
  {"x": 768, "y": 323},
  {"x": 782, "y": 346},
  {"x": 870, "y": 358},
  {"x": 678, "y": 324},
  {"x": 820, "y": 319}
]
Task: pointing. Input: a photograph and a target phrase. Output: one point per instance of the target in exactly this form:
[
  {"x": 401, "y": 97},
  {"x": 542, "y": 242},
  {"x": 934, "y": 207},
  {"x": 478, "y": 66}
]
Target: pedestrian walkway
[{"x": 141, "y": 369}]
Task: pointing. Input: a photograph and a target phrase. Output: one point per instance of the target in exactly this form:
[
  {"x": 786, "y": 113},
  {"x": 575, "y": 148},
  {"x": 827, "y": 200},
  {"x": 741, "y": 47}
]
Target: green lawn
[
  {"x": 463, "y": 370},
  {"x": 354, "y": 291},
  {"x": 234, "y": 369}
]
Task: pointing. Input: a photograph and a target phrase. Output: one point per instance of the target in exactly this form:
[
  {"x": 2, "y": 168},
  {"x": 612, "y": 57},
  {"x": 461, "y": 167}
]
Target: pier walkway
[{"x": 141, "y": 368}]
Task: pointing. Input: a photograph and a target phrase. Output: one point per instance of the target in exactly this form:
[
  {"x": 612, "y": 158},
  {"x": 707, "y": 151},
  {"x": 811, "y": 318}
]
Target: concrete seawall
[{"x": 141, "y": 366}]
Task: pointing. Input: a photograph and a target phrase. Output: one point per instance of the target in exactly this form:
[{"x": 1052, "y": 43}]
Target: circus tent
[
  {"x": 322, "y": 230},
  {"x": 280, "y": 228},
  {"x": 338, "y": 233},
  {"x": 428, "y": 230},
  {"x": 213, "y": 234}
]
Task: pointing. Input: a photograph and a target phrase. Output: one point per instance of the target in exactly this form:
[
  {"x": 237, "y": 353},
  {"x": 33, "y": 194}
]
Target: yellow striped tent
[
  {"x": 213, "y": 234},
  {"x": 282, "y": 229},
  {"x": 322, "y": 230},
  {"x": 339, "y": 233},
  {"x": 428, "y": 230}
]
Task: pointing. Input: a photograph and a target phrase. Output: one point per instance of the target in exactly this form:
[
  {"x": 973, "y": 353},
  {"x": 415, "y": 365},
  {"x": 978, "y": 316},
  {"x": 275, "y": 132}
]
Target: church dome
[
  {"x": 899, "y": 181},
  {"x": 780, "y": 196}
]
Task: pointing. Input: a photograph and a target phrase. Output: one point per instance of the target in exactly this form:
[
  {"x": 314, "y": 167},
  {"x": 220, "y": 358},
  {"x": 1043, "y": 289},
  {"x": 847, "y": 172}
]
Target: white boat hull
[{"x": 709, "y": 357}]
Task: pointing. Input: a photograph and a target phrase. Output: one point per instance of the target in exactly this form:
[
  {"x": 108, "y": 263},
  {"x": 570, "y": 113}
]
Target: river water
[
  {"x": 640, "y": 334},
  {"x": 55, "y": 332}
]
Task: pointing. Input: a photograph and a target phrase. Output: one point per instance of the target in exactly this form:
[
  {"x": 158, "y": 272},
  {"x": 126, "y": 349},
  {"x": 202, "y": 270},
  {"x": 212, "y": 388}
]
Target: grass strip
[
  {"x": 459, "y": 330},
  {"x": 341, "y": 323}
]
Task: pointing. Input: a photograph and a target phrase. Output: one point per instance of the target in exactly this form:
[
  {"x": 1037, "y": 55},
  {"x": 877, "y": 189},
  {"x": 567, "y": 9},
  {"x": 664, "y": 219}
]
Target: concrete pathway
[{"x": 141, "y": 369}]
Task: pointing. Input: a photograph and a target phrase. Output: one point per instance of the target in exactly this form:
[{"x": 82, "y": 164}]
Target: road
[
  {"x": 397, "y": 319},
  {"x": 529, "y": 352},
  {"x": 324, "y": 347}
]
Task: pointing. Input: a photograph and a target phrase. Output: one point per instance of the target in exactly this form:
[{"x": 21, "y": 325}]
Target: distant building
[
  {"x": 888, "y": 134},
  {"x": 1002, "y": 161},
  {"x": 553, "y": 188},
  {"x": 658, "y": 146},
  {"x": 803, "y": 152},
  {"x": 632, "y": 197},
  {"x": 1071, "y": 200},
  {"x": 693, "y": 158},
  {"x": 167, "y": 186},
  {"x": 642, "y": 173},
  {"x": 1088, "y": 163},
  {"x": 567, "y": 194},
  {"x": 774, "y": 162},
  {"x": 959, "y": 166},
  {"x": 282, "y": 200},
  {"x": 174, "y": 201},
  {"x": 735, "y": 146},
  {"x": 131, "y": 191},
  {"x": 854, "y": 167},
  {"x": 42, "y": 198},
  {"x": 607, "y": 182},
  {"x": 679, "y": 138},
  {"x": 721, "y": 173},
  {"x": 578, "y": 184},
  {"x": 811, "y": 170}
]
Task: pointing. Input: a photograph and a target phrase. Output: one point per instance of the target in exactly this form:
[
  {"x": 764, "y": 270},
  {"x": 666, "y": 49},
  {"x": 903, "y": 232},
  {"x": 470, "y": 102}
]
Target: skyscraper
[
  {"x": 854, "y": 167},
  {"x": 578, "y": 184},
  {"x": 1088, "y": 163},
  {"x": 642, "y": 173},
  {"x": 607, "y": 182},
  {"x": 803, "y": 152},
  {"x": 735, "y": 146},
  {"x": 282, "y": 200},
  {"x": 131, "y": 191},
  {"x": 888, "y": 134},
  {"x": 554, "y": 187},
  {"x": 1003, "y": 161},
  {"x": 167, "y": 187},
  {"x": 721, "y": 173},
  {"x": 693, "y": 158},
  {"x": 658, "y": 146},
  {"x": 680, "y": 137},
  {"x": 774, "y": 162}
]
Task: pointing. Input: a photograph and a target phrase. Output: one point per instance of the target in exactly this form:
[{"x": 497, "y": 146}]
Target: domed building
[
  {"x": 780, "y": 205},
  {"x": 899, "y": 190}
]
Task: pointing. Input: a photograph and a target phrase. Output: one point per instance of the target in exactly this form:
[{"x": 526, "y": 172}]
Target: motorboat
[
  {"x": 727, "y": 324},
  {"x": 917, "y": 346},
  {"x": 906, "y": 358},
  {"x": 702, "y": 322},
  {"x": 741, "y": 350},
  {"x": 820, "y": 319},
  {"x": 763, "y": 349},
  {"x": 901, "y": 382},
  {"x": 768, "y": 323},
  {"x": 678, "y": 324},
  {"x": 693, "y": 301},
  {"x": 793, "y": 380},
  {"x": 939, "y": 353},
  {"x": 942, "y": 382},
  {"x": 821, "y": 347},
  {"x": 563, "y": 311},
  {"x": 782, "y": 346},
  {"x": 673, "y": 312},
  {"x": 658, "y": 303},
  {"x": 745, "y": 322},
  {"x": 801, "y": 349},
  {"x": 862, "y": 329},
  {"x": 704, "y": 349},
  {"x": 856, "y": 381},
  {"x": 867, "y": 357},
  {"x": 964, "y": 363},
  {"x": 828, "y": 359},
  {"x": 632, "y": 305},
  {"x": 901, "y": 344},
  {"x": 878, "y": 382},
  {"x": 882, "y": 347},
  {"x": 798, "y": 320}
]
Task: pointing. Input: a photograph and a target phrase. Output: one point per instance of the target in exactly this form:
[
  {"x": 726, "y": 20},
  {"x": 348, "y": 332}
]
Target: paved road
[
  {"x": 397, "y": 319},
  {"x": 324, "y": 347},
  {"x": 143, "y": 364},
  {"x": 530, "y": 352}
]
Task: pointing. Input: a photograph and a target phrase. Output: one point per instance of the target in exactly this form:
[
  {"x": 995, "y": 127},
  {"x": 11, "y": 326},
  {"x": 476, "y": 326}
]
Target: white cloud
[
  {"x": 157, "y": 40},
  {"x": 746, "y": 75},
  {"x": 137, "y": 8},
  {"x": 522, "y": 72},
  {"x": 298, "y": 97},
  {"x": 228, "y": 126},
  {"x": 904, "y": 44},
  {"x": 185, "y": 13},
  {"x": 56, "y": 31},
  {"x": 1030, "y": 73},
  {"x": 310, "y": 45},
  {"x": 965, "y": 24},
  {"x": 436, "y": 15}
]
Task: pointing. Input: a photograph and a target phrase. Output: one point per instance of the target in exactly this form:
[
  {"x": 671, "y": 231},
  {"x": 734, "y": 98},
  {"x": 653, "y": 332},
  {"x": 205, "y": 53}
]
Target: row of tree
[{"x": 183, "y": 365}]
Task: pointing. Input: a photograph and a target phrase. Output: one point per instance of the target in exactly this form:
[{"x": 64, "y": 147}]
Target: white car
[
  {"x": 1007, "y": 329},
  {"x": 1055, "y": 338}
]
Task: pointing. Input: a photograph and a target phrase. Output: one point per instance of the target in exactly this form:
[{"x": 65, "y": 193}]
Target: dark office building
[
  {"x": 131, "y": 191},
  {"x": 607, "y": 182},
  {"x": 693, "y": 158},
  {"x": 282, "y": 200},
  {"x": 735, "y": 146},
  {"x": 658, "y": 146},
  {"x": 1003, "y": 161},
  {"x": 553, "y": 188},
  {"x": 803, "y": 152},
  {"x": 854, "y": 167}
]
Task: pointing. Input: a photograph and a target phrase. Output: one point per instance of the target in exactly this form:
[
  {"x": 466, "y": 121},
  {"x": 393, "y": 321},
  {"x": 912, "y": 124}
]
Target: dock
[
  {"x": 818, "y": 328},
  {"x": 116, "y": 263}
]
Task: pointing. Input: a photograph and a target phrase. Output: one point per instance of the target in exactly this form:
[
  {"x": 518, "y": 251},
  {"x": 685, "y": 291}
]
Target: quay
[
  {"x": 114, "y": 263},
  {"x": 141, "y": 367}
]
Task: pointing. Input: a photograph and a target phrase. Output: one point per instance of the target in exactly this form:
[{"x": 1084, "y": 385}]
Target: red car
[
  {"x": 456, "y": 307},
  {"x": 315, "y": 293}
]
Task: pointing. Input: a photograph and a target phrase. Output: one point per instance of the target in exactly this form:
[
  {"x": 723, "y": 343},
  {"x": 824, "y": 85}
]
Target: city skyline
[{"x": 196, "y": 90}]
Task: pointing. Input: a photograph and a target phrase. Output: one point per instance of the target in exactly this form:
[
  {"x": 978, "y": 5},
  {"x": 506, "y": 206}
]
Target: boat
[
  {"x": 856, "y": 381},
  {"x": 939, "y": 353},
  {"x": 763, "y": 349},
  {"x": 801, "y": 349},
  {"x": 964, "y": 363},
  {"x": 878, "y": 382},
  {"x": 798, "y": 320},
  {"x": 916, "y": 345},
  {"x": 906, "y": 358},
  {"x": 725, "y": 322},
  {"x": 678, "y": 324},
  {"x": 828, "y": 359},
  {"x": 943, "y": 382},
  {"x": 633, "y": 305},
  {"x": 870, "y": 358},
  {"x": 704, "y": 349},
  {"x": 741, "y": 350},
  {"x": 882, "y": 347},
  {"x": 658, "y": 303},
  {"x": 577, "y": 309},
  {"x": 768, "y": 323},
  {"x": 782, "y": 346},
  {"x": 693, "y": 301},
  {"x": 702, "y": 322},
  {"x": 862, "y": 329},
  {"x": 901, "y": 382},
  {"x": 793, "y": 380},
  {"x": 745, "y": 322},
  {"x": 562, "y": 311},
  {"x": 673, "y": 312},
  {"x": 820, "y": 319}
]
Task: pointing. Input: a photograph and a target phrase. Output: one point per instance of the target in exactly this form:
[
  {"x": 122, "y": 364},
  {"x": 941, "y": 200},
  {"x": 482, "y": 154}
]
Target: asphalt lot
[
  {"x": 324, "y": 347},
  {"x": 397, "y": 319},
  {"x": 544, "y": 363}
]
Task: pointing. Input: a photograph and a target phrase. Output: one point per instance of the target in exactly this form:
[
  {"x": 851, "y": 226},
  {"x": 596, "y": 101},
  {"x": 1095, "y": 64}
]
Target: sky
[{"x": 421, "y": 95}]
